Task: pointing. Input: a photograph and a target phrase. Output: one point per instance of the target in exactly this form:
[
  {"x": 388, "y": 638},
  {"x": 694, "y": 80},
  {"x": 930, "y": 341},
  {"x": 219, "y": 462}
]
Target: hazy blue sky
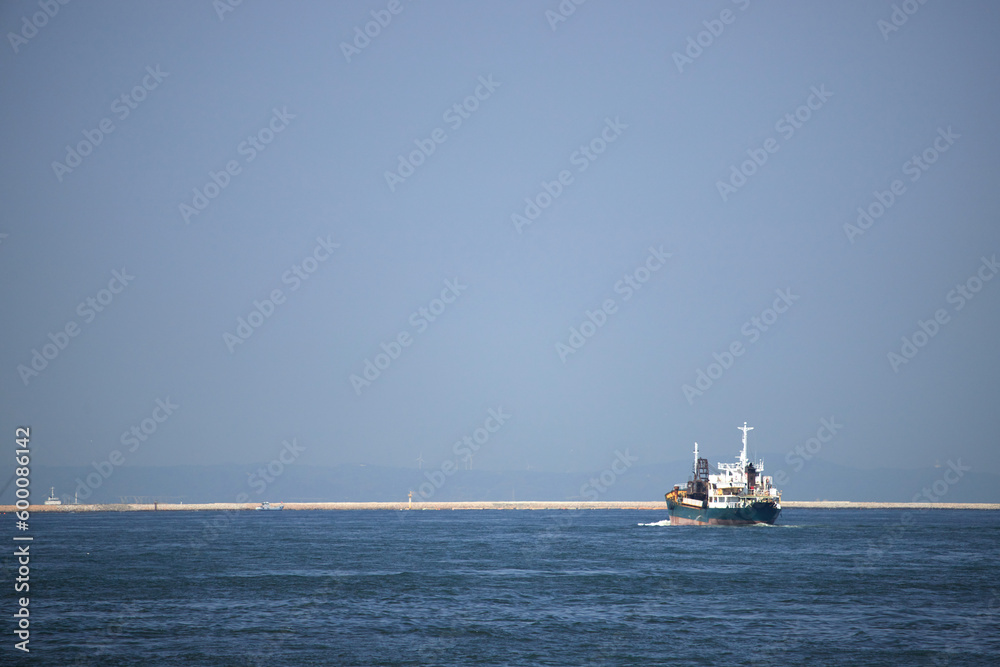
[{"x": 662, "y": 134}]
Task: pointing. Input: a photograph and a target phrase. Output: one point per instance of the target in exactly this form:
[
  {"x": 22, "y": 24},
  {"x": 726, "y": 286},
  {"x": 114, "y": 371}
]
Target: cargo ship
[{"x": 738, "y": 495}]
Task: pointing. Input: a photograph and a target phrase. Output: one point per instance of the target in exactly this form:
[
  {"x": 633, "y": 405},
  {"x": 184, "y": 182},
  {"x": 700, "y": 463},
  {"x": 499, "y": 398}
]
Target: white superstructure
[
  {"x": 739, "y": 483},
  {"x": 52, "y": 499}
]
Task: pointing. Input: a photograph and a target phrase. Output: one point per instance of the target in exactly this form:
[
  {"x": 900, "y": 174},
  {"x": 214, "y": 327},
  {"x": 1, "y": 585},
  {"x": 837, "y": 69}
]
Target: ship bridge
[{"x": 741, "y": 478}]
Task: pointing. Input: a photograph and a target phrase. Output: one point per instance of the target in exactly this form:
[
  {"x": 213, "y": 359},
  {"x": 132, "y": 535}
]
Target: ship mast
[
  {"x": 743, "y": 454},
  {"x": 695, "y": 468}
]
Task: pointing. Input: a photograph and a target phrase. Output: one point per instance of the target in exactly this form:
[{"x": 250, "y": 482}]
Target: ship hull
[{"x": 748, "y": 515}]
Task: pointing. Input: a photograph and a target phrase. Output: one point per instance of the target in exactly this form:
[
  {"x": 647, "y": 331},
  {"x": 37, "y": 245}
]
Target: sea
[{"x": 507, "y": 587}]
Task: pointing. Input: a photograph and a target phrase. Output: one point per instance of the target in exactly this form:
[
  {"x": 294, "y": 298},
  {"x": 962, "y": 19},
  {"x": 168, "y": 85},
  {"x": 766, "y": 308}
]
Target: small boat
[
  {"x": 266, "y": 506},
  {"x": 52, "y": 499}
]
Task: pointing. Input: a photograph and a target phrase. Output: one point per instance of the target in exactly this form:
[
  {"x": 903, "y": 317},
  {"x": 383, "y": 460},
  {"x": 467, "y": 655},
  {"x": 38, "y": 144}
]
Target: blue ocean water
[{"x": 594, "y": 587}]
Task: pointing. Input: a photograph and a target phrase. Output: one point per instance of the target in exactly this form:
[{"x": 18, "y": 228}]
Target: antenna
[{"x": 743, "y": 454}]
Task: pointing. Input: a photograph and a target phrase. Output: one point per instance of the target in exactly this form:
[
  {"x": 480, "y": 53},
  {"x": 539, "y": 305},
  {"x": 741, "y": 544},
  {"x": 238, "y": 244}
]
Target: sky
[{"x": 559, "y": 230}]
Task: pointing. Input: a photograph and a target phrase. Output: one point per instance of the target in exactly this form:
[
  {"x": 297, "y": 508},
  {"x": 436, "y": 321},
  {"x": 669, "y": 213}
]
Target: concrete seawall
[
  {"x": 851, "y": 505},
  {"x": 519, "y": 505}
]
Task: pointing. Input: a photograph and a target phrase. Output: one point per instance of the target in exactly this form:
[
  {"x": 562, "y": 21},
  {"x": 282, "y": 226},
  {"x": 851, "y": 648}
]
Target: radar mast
[{"x": 743, "y": 454}]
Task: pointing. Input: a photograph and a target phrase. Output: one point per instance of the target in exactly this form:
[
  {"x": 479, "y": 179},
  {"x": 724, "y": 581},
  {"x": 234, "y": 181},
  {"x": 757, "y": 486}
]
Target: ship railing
[{"x": 760, "y": 496}]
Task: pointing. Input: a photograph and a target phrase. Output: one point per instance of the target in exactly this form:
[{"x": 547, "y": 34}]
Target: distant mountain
[{"x": 815, "y": 480}]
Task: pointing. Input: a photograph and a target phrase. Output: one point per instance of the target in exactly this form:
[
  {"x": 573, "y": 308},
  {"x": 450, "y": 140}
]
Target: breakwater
[{"x": 484, "y": 505}]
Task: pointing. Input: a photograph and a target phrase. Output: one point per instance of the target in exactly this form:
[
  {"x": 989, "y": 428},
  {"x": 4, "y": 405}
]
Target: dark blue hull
[{"x": 751, "y": 513}]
